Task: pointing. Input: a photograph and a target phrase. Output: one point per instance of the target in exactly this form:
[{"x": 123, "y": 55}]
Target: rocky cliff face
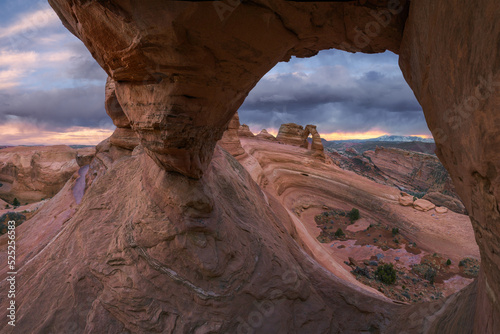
[
  {"x": 230, "y": 140},
  {"x": 244, "y": 131},
  {"x": 291, "y": 134},
  {"x": 191, "y": 263},
  {"x": 417, "y": 172},
  {"x": 33, "y": 173},
  {"x": 454, "y": 71}
]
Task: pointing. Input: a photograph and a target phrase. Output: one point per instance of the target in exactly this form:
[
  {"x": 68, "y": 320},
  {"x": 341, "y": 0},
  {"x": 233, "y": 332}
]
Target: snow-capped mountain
[{"x": 402, "y": 139}]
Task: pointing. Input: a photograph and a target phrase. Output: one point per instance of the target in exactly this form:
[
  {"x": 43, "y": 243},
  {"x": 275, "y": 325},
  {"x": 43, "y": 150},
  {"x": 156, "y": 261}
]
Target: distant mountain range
[
  {"x": 389, "y": 138},
  {"x": 409, "y": 143}
]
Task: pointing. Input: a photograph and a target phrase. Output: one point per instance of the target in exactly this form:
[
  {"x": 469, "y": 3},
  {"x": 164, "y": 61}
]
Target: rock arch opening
[{"x": 423, "y": 191}]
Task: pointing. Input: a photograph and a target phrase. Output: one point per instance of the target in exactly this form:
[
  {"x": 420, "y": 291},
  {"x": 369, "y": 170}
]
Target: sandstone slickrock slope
[
  {"x": 413, "y": 171},
  {"x": 417, "y": 173},
  {"x": 33, "y": 173},
  {"x": 197, "y": 250}
]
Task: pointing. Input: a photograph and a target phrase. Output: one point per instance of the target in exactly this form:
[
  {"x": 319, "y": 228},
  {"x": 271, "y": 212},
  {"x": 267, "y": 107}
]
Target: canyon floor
[{"x": 424, "y": 241}]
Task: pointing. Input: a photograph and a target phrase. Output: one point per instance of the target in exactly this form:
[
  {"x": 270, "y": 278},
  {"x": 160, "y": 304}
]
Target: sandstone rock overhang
[{"x": 182, "y": 69}]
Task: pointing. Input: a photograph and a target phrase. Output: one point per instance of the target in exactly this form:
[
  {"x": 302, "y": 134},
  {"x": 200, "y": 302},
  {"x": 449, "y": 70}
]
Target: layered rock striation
[
  {"x": 31, "y": 174},
  {"x": 296, "y": 135}
]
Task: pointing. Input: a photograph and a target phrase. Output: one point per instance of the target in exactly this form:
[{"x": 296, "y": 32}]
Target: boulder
[
  {"x": 441, "y": 209},
  {"x": 406, "y": 200},
  {"x": 423, "y": 205},
  {"x": 85, "y": 155}
]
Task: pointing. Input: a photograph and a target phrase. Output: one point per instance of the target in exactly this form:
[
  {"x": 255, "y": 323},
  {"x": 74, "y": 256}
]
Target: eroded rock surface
[
  {"x": 296, "y": 135},
  {"x": 291, "y": 134},
  {"x": 451, "y": 60},
  {"x": 244, "y": 131},
  {"x": 263, "y": 134},
  {"x": 181, "y": 70},
  {"x": 33, "y": 173},
  {"x": 230, "y": 140},
  {"x": 416, "y": 172}
]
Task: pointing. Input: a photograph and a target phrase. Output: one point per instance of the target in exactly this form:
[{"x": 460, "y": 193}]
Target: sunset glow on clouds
[
  {"x": 52, "y": 90},
  {"x": 14, "y": 134}
]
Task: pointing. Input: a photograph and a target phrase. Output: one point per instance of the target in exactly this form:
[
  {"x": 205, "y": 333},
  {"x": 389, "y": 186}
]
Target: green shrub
[
  {"x": 386, "y": 273},
  {"x": 339, "y": 233},
  {"x": 353, "y": 215},
  {"x": 448, "y": 262},
  {"x": 395, "y": 231},
  {"x": 17, "y": 217},
  {"x": 430, "y": 275},
  {"x": 16, "y": 202}
]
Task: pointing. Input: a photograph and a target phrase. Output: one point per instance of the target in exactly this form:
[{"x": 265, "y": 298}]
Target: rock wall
[
  {"x": 244, "y": 131},
  {"x": 33, "y": 173},
  {"x": 291, "y": 134},
  {"x": 412, "y": 171},
  {"x": 230, "y": 140},
  {"x": 451, "y": 60}
]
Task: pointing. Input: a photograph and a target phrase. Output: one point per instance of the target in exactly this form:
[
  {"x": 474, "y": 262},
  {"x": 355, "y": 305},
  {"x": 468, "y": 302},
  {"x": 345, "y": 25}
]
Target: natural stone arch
[
  {"x": 180, "y": 84},
  {"x": 316, "y": 145}
]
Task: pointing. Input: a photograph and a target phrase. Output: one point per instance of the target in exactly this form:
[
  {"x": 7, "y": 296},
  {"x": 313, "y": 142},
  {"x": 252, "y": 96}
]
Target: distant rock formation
[
  {"x": 33, "y": 173},
  {"x": 266, "y": 135},
  {"x": 244, "y": 131},
  {"x": 230, "y": 140},
  {"x": 316, "y": 145},
  {"x": 411, "y": 171},
  {"x": 291, "y": 134},
  {"x": 296, "y": 135}
]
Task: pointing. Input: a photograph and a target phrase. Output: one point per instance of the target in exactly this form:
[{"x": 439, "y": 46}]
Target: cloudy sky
[{"x": 52, "y": 91}]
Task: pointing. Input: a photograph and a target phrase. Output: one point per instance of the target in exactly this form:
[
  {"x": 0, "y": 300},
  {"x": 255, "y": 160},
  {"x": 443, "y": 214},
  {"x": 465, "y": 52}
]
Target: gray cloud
[
  {"x": 57, "y": 109},
  {"x": 338, "y": 98}
]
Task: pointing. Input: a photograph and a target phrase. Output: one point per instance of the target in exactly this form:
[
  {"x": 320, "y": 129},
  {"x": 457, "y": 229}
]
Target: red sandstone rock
[
  {"x": 244, "y": 131},
  {"x": 291, "y": 134},
  {"x": 423, "y": 205},
  {"x": 265, "y": 135},
  {"x": 32, "y": 173},
  {"x": 230, "y": 140},
  {"x": 406, "y": 200},
  {"x": 441, "y": 209}
]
